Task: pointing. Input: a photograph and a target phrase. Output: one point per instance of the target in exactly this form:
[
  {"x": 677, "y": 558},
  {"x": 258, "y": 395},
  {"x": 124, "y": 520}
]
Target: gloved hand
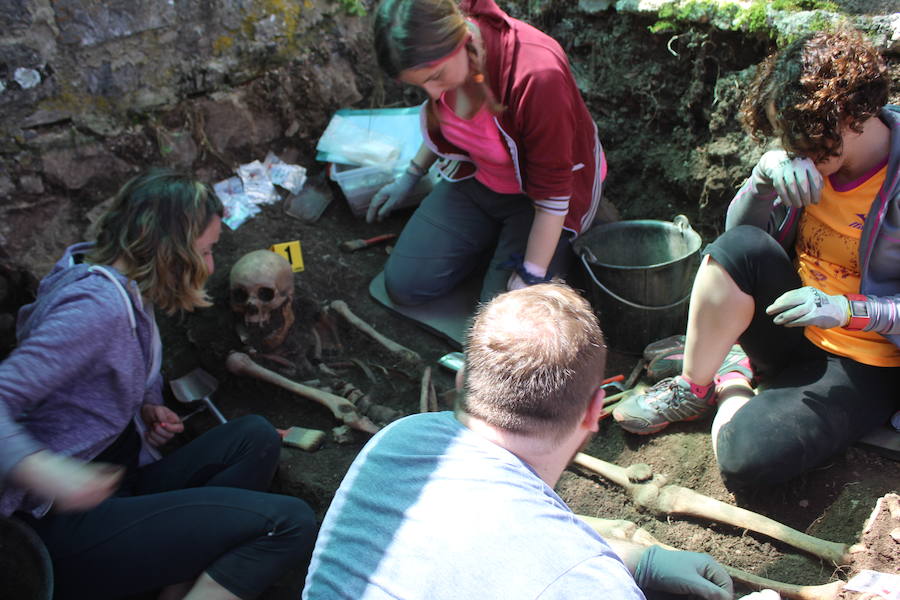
[
  {"x": 762, "y": 595},
  {"x": 684, "y": 573},
  {"x": 810, "y": 306},
  {"x": 515, "y": 281},
  {"x": 796, "y": 181},
  {"x": 390, "y": 195}
]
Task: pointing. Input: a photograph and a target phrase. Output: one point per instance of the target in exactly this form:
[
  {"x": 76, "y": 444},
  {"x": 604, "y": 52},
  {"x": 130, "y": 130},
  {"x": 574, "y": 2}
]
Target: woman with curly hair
[
  {"x": 522, "y": 165},
  {"x": 82, "y": 416},
  {"x": 806, "y": 277}
]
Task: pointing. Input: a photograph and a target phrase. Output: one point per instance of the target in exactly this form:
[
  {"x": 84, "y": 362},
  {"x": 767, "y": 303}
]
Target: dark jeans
[
  {"x": 810, "y": 404},
  {"x": 202, "y": 508},
  {"x": 453, "y": 233}
]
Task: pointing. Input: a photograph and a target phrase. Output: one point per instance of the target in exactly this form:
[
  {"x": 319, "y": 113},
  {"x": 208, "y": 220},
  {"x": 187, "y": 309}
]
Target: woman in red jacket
[{"x": 523, "y": 167}]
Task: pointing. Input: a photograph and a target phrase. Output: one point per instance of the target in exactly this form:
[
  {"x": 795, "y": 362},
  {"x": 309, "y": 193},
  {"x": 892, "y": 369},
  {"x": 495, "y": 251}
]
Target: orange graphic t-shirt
[{"x": 828, "y": 259}]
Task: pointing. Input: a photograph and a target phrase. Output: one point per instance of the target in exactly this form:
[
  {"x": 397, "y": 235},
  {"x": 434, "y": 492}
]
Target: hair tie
[{"x": 478, "y": 77}]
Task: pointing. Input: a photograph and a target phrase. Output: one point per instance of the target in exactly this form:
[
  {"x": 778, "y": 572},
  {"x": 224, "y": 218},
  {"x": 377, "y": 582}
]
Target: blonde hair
[
  {"x": 151, "y": 228},
  {"x": 534, "y": 357}
]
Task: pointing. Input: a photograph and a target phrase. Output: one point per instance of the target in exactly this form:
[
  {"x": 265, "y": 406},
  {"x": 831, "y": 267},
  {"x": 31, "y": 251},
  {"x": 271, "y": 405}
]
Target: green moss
[
  {"x": 352, "y": 7},
  {"x": 222, "y": 44},
  {"x": 732, "y": 16}
]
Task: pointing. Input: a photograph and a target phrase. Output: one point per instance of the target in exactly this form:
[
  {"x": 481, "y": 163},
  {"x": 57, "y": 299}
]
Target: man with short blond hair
[
  {"x": 534, "y": 361},
  {"x": 442, "y": 506}
]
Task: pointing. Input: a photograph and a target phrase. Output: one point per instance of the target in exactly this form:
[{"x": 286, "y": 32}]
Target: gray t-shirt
[{"x": 430, "y": 510}]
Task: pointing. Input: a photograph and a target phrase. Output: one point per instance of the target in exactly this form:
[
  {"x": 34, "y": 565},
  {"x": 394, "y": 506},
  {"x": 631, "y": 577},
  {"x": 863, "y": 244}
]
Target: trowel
[{"x": 198, "y": 385}]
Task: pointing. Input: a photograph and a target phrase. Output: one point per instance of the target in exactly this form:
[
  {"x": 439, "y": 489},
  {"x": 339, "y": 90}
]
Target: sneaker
[
  {"x": 668, "y": 401},
  {"x": 735, "y": 366},
  {"x": 669, "y": 364}
]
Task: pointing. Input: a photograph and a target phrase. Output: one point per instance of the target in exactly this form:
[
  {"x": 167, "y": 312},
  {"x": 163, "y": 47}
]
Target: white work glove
[
  {"x": 683, "y": 573},
  {"x": 796, "y": 181},
  {"x": 762, "y": 595},
  {"x": 390, "y": 195},
  {"x": 810, "y": 306}
]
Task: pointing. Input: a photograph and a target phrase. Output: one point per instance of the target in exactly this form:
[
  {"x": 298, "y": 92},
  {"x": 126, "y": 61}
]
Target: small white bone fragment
[
  {"x": 340, "y": 307},
  {"x": 424, "y": 400}
]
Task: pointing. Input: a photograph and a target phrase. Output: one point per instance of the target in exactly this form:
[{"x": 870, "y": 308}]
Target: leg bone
[
  {"x": 626, "y": 530},
  {"x": 241, "y": 364},
  {"x": 677, "y": 500},
  {"x": 340, "y": 307}
]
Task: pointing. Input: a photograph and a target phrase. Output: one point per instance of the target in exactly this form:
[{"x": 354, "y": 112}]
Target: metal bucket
[
  {"x": 641, "y": 273},
  {"x": 25, "y": 567}
]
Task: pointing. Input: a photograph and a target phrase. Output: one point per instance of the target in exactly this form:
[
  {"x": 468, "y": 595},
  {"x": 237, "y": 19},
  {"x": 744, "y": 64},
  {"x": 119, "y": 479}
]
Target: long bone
[
  {"x": 342, "y": 409},
  {"x": 340, "y": 307},
  {"x": 621, "y": 529},
  {"x": 672, "y": 499}
]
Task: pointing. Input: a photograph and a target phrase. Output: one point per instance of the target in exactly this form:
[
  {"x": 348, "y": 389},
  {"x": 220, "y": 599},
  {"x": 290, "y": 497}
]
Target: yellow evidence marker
[{"x": 291, "y": 251}]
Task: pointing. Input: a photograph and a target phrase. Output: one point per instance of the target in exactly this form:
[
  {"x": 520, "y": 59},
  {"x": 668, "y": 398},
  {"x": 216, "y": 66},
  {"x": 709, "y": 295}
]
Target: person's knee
[
  {"x": 404, "y": 284},
  {"x": 298, "y": 527},
  {"x": 740, "y": 462},
  {"x": 257, "y": 432},
  {"x": 748, "y": 241}
]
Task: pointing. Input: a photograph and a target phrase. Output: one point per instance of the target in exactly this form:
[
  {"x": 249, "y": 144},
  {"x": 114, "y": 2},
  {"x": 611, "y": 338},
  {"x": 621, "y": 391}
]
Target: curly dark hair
[{"x": 807, "y": 93}]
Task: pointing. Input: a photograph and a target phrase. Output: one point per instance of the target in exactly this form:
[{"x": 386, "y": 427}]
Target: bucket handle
[
  {"x": 682, "y": 223},
  {"x": 623, "y": 300}
]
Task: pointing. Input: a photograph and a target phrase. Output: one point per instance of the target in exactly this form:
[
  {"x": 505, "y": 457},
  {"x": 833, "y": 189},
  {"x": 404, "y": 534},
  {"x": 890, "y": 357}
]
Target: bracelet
[
  {"x": 517, "y": 263},
  {"x": 415, "y": 169},
  {"x": 859, "y": 312}
]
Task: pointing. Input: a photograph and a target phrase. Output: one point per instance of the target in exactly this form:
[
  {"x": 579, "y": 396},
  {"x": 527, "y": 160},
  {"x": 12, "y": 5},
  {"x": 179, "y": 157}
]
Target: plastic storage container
[{"x": 359, "y": 184}]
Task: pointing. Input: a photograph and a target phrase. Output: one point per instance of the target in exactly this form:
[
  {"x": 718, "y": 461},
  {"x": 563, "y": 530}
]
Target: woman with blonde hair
[
  {"x": 523, "y": 167},
  {"x": 82, "y": 416}
]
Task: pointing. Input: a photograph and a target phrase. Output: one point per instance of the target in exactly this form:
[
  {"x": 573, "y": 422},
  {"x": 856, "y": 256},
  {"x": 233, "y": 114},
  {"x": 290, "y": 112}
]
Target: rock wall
[{"x": 91, "y": 91}]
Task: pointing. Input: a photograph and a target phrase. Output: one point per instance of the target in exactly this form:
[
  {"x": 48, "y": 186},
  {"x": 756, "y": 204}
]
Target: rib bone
[{"x": 677, "y": 500}]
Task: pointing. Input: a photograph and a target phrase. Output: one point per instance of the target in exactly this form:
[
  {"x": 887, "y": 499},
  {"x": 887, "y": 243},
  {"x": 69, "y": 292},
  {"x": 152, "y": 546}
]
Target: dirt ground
[
  {"x": 672, "y": 150},
  {"x": 831, "y": 502}
]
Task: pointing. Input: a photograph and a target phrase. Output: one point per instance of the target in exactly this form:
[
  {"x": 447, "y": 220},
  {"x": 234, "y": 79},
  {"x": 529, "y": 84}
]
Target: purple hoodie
[{"x": 87, "y": 359}]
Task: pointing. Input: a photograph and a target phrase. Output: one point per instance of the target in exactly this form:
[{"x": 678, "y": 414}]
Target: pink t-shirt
[{"x": 480, "y": 137}]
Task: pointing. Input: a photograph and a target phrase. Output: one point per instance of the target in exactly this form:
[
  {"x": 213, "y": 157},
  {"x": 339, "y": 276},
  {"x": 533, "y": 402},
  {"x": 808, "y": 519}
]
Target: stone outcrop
[{"x": 92, "y": 91}]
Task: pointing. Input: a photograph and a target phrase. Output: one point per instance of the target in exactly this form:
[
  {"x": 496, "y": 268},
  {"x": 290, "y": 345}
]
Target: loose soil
[
  {"x": 831, "y": 502},
  {"x": 665, "y": 106}
]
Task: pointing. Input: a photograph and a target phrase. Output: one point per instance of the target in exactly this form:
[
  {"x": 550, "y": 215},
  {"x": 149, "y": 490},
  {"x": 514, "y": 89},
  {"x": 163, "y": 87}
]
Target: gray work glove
[
  {"x": 683, "y": 573},
  {"x": 387, "y": 198},
  {"x": 796, "y": 181},
  {"x": 810, "y": 306}
]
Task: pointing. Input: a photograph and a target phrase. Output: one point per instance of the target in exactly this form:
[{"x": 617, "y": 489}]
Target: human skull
[{"x": 262, "y": 291}]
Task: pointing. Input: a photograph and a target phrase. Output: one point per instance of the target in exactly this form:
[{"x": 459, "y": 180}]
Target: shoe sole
[{"x": 658, "y": 428}]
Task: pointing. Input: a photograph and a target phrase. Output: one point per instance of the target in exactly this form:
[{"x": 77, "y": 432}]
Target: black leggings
[
  {"x": 202, "y": 508},
  {"x": 810, "y": 404}
]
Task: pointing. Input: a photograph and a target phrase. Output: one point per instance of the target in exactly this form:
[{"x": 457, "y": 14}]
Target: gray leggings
[
  {"x": 459, "y": 229},
  {"x": 810, "y": 404}
]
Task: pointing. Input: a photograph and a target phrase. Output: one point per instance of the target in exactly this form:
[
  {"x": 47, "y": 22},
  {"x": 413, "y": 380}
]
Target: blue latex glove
[
  {"x": 390, "y": 195},
  {"x": 796, "y": 181},
  {"x": 683, "y": 573},
  {"x": 810, "y": 306}
]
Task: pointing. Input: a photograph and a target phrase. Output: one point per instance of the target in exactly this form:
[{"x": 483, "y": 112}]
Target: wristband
[
  {"x": 415, "y": 169},
  {"x": 859, "y": 312},
  {"x": 517, "y": 263}
]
